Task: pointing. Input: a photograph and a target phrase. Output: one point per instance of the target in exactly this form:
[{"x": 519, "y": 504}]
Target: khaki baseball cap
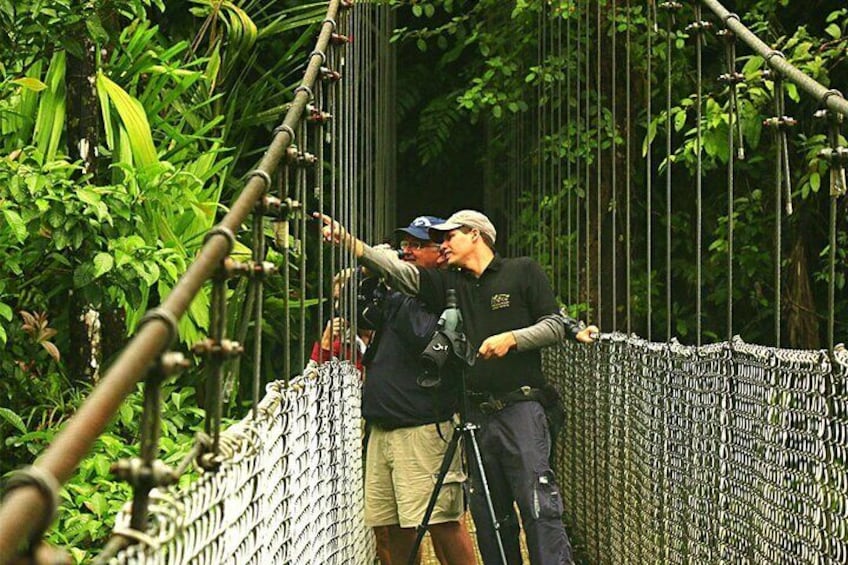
[{"x": 464, "y": 218}]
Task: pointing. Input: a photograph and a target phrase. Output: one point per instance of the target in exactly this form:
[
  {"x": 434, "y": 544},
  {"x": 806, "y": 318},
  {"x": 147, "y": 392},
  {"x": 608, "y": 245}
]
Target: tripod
[{"x": 467, "y": 430}]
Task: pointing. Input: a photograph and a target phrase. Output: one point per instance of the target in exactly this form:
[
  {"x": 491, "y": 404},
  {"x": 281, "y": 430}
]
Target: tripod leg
[
  {"x": 434, "y": 496},
  {"x": 469, "y": 429}
]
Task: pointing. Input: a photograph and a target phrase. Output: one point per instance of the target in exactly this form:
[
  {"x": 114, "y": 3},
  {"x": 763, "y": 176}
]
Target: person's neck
[{"x": 478, "y": 262}]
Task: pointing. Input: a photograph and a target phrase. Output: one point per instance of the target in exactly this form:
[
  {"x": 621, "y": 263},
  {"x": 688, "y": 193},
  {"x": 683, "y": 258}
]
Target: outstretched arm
[{"x": 399, "y": 274}]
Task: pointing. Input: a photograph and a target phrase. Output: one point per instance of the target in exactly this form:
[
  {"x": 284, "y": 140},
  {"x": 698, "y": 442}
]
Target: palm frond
[
  {"x": 50, "y": 121},
  {"x": 133, "y": 119}
]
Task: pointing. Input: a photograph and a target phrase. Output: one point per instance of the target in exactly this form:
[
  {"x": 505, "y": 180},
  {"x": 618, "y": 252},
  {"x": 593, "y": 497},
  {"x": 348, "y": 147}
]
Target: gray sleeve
[
  {"x": 399, "y": 275},
  {"x": 549, "y": 330}
]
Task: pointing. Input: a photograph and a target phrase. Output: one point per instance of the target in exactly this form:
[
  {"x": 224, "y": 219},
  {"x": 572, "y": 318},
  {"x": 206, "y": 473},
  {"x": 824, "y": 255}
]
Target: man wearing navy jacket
[
  {"x": 509, "y": 312},
  {"x": 410, "y": 427}
]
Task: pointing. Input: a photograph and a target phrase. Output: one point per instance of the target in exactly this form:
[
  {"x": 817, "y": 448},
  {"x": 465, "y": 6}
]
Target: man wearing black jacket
[
  {"x": 410, "y": 427},
  {"x": 509, "y": 312}
]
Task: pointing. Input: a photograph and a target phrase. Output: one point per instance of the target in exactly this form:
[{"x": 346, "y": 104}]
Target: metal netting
[
  {"x": 289, "y": 488},
  {"x": 730, "y": 452}
]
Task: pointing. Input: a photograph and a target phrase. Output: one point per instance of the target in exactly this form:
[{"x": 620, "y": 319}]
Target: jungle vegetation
[{"x": 126, "y": 126}]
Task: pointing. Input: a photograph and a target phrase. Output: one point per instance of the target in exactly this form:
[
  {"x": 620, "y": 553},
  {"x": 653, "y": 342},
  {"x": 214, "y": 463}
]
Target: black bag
[{"x": 555, "y": 414}]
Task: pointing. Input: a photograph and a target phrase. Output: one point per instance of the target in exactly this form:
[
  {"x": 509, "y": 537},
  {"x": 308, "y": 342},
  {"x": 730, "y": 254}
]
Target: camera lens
[{"x": 429, "y": 377}]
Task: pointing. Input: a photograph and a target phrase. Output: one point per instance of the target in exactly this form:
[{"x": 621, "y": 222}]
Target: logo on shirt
[{"x": 500, "y": 301}]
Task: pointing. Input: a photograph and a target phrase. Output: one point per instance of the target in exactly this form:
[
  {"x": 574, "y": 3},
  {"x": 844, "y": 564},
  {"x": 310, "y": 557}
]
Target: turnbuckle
[
  {"x": 299, "y": 158},
  {"x": 330, "y": 75},
  {"x": 250, "y": 269},
  {"x": 317, "y": 116}
]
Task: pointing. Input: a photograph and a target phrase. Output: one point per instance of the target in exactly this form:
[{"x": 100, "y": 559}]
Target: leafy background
[{"x": 125, "y": 126}]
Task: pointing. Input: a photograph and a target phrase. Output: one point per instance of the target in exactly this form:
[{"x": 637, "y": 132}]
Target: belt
[
  {"x": 387, "y": 425},
  {"x": 489, "y": 403}
]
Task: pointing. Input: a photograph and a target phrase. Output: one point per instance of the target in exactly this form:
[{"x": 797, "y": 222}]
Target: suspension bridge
[{"x": 671, "y": 452}]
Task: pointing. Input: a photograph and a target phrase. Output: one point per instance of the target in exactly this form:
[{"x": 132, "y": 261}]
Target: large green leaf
[
  {"x": 12, "y": 418},
  {"x": 134, "y": 120},
  {"x": 16, "y": 223},
  {"x": 50, "y": 122}
]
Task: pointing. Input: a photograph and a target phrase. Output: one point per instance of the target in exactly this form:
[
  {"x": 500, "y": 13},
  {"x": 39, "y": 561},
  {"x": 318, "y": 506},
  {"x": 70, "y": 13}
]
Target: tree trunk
[
  {"x": 83, "y": 123},
  {"x": 801, "y": 321}
]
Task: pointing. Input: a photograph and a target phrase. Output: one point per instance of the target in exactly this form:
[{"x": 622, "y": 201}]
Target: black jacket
[{"x": 391, "y": 396}]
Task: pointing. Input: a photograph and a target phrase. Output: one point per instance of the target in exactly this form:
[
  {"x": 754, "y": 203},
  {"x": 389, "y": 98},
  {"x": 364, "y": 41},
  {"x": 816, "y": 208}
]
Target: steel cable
[{"x": 649, "y": 30}]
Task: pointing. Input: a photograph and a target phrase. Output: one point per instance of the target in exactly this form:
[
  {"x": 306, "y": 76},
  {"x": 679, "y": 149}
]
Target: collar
[{"x": 494, "y": 265}]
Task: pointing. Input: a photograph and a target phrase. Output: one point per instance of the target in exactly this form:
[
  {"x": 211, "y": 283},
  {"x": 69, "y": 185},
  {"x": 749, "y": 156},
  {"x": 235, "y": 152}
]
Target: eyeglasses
[{"x": 416, "y": 245}]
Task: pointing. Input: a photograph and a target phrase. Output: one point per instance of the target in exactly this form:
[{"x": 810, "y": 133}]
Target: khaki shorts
[{"x": 401, "y": 468}]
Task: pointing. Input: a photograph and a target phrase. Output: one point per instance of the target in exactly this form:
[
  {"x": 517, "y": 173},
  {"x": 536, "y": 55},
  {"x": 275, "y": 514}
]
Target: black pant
[{"x": 514, "y": 445}]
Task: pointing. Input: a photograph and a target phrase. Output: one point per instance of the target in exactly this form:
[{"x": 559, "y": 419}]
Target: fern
[{"x": 435, "y": 126}]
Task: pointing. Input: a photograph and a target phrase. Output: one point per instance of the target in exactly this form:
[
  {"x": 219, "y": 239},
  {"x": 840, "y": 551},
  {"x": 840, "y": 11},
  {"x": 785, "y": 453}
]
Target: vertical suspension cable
[
  {"x": 355, "y": 177},
  {"x": 335, "y": 64},
  {"x": 597, "y": 503},
  {"x": 513, "y": 186},
  {"x": 319, "y": 195},
  {"x": 300, "y": 187},
  {"x": 538, "y": 186},
  {"x": 559, "y": 190},
  {"x": 283, "y": 238},
  {"x": 613, "y": 171},
  {"x": 648, "y": 168},
  {"x": 699, "y": 175},
  {"x": 366, "y": 210},
  {"x": 627, "y": 176},
  {"x": 568, "y": 187},
  {"x": 831, "y": 282},
  {"x": 213, "y": 348},
  {"x": 778, "y": 204},
  {"x": 598, "y": 165},
  {"x": 668, "y": 170},
  {"x": 730, "y": 54},
  {"x": 345, "y": 158},
  {"x": 578, "y": 169},
  {"x": 383, "y": 111},
  {"x": 838, "y": 158},
  {"x": 587, "y": 164},
  {"x": 259, "y": 290},
  {"x": 524, "y": 171}
]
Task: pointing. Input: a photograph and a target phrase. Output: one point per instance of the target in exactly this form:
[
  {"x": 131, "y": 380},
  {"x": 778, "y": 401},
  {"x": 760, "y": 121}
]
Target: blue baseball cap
[{"x": 420, "y": 226}]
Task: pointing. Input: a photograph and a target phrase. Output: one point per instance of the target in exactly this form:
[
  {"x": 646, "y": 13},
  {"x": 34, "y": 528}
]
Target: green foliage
[
  {"x": 92, "y": 498},
  {"x": 505, "y": 81},
  {"x": 182, "y": 107}
]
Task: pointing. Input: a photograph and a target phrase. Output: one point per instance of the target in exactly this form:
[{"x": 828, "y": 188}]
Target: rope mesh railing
[
  {"x": 288, "y": 489},
  {"x": 729, "y": 452}
]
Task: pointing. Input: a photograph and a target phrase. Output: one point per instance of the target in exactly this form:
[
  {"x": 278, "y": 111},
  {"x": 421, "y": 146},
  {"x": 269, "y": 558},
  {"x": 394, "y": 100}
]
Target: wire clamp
[
  {"x": 48, "y": 487},
  {"x": 261, "y": 174},
  {"x": 224, "y": 231},
  {"x": 306, "y": 89},
  {"x": 287, "y": 129},
  {"x": 163, "y": 315}
]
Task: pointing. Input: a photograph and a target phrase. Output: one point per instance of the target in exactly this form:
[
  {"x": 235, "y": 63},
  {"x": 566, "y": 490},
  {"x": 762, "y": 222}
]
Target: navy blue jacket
[{"x": 391, "y": 397}]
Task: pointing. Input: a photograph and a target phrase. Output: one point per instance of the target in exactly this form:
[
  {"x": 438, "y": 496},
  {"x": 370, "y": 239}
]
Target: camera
[{"x": 370, "y": 295}]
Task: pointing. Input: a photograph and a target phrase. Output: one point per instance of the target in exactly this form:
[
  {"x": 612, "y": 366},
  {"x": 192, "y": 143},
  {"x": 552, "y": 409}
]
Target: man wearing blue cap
[
  {"x": 410, "y": 427},
  {"x": 509, "y": 313}
]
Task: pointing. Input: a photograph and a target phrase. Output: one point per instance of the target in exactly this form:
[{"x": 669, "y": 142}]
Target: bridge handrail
[
  {"x": 829, "y": 98},
  {"x": 27, "y": 507}
]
